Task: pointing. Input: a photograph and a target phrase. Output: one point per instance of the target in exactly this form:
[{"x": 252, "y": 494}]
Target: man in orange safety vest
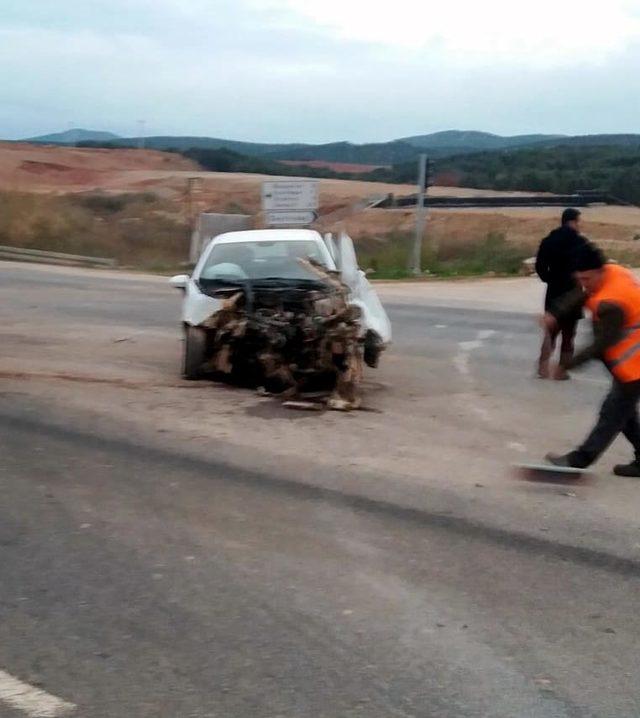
[{"x": 612, "y": 295}]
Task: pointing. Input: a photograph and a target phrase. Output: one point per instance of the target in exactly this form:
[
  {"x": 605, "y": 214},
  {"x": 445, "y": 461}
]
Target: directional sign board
[
  {"x": 279, "y": 218},
  {"x": 287, "y": 202}
]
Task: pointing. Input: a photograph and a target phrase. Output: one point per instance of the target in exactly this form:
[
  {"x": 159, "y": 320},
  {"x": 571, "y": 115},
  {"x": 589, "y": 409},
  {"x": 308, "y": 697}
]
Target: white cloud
[
  {"x": 540, "y": 33},
  {"x": 288, "y": 70}
]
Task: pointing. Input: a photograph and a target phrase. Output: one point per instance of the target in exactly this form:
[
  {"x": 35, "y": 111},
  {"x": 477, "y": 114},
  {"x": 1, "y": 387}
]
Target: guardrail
[
  {"x": 345, "y": 212},
  {"x": 20, "y": 254},
  {"x": 579, "y": 199}
]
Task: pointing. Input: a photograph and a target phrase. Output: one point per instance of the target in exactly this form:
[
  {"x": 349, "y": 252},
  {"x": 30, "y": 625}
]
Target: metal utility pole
[
  {"x": 193, "y": 201},
  {"x": 415, "y": 264},
  {"x": 192, "y": 208},
  {"x": 193, "y": 188}
]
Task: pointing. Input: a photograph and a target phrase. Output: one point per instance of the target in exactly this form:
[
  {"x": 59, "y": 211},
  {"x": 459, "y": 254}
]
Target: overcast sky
[{"x": 319, "y": 70}]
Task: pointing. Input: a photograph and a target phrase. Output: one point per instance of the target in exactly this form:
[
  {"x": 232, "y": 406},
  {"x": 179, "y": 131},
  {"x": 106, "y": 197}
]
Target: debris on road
[{"x": 303, "y": 405}]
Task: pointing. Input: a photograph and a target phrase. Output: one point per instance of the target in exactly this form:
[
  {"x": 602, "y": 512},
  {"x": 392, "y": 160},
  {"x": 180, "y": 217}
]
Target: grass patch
[
  {"x": 138, "y": 230},
  {"x": 388, "y": 257},
  {"x": 106, "y": 204},
  {"x": 149, "y": 233}
]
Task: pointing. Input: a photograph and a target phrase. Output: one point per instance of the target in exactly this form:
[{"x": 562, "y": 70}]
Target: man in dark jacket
[{"x": 554, "y": 265}]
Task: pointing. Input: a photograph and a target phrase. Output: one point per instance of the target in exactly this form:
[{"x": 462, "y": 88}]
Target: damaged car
[{"x": 288, "y": 308}]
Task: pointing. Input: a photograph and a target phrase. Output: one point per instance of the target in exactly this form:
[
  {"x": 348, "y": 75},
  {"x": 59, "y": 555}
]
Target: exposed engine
[{"x": 289, "y": 333}]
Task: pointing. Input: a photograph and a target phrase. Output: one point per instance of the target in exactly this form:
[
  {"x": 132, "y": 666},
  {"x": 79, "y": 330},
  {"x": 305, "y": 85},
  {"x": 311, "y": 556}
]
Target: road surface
[{"x": 190, "y": 550}]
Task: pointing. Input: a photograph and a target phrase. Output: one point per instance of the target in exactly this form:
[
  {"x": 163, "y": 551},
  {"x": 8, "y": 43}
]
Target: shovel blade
[{"x": 550, "y": 474}]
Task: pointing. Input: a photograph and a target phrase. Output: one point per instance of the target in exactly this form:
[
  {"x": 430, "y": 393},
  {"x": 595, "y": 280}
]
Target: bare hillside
[{"x": 41, "y": 168}]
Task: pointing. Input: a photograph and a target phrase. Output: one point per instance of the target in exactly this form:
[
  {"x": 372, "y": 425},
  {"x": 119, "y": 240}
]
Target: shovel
[{"x": 550, "y": 474}]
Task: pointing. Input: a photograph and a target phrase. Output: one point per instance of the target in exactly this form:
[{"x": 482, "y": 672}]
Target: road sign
[
  {"x": 274, "y": 219},
  {"x": 289, "y": 195}
]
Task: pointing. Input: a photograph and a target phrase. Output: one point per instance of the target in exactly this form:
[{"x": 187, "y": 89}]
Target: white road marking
[
  {"x": 486, "y": 334},
  {"x": 461, "y": 359},
  {"x": 441, "y": 326},
  {"x": 481, "y": 412},
  {"x": 517, "y": 446},
  {"x": 461, "y": 363},
  {"x": 32, "y": 701},
  {"x": 470, "y": 346}
]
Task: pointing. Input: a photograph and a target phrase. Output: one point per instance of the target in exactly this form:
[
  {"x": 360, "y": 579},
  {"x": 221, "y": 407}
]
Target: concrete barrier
[{"x": 210, "y": 225}]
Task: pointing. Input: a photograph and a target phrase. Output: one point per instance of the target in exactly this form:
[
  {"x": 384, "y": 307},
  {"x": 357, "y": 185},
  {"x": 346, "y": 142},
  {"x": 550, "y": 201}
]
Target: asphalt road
[{"x": 148, "y": 578}]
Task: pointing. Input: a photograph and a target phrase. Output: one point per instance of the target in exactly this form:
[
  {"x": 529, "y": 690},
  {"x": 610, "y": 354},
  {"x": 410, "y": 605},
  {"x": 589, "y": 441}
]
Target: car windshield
[{"x": 239, "y": 261}]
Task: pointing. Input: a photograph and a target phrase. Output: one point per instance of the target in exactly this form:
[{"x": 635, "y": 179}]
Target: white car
[{"x": 256, "y": 293}]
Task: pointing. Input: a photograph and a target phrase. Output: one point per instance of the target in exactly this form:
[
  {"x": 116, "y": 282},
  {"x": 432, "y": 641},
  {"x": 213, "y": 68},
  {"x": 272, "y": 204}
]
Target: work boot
[
  {"x": 632, "y": 470},
  {"x": 572, "y": 460}
]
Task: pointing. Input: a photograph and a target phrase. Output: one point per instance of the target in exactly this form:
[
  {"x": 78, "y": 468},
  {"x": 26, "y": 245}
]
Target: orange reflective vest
[{"x": 621, "y": 287}]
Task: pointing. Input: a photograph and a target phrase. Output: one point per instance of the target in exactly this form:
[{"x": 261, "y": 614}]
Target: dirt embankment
[{"x": 43, "y": 168}]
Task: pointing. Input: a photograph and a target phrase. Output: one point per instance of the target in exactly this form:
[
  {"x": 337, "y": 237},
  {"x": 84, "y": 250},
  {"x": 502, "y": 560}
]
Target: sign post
[
  {"x": 415, "y": 262},
  {"x": 290, "y": 202}
]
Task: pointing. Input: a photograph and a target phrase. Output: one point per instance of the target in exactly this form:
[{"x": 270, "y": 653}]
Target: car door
[
  {"x": 331, "y": 246},
  {"x": 363, "y": 293}
]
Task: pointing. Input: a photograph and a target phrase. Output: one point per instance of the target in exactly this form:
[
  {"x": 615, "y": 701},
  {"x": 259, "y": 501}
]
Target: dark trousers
[
  {"x": 619, "y": 413},
  {"x": 567, "y": 330}
]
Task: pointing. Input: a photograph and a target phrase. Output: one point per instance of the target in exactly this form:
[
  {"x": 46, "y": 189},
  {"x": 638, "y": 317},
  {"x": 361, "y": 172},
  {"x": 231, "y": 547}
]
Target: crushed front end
[{"x": 289, "y": 334}]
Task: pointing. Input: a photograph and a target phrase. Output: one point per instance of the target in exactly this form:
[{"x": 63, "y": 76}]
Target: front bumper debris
[{"x": 288, "y": 335}]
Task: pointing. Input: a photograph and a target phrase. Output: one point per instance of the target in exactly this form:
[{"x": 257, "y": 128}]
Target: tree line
[{"x": 561, "y": 169}]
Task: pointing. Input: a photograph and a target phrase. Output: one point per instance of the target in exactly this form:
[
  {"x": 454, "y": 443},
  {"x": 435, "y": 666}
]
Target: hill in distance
[
  {"x": 437, "y": 145},
  {"x": 71, "y": 137},
  {"x": 465, "y": 140},
  {"x": 537, "y": 163},
  {"x": 254, "y": 149}
]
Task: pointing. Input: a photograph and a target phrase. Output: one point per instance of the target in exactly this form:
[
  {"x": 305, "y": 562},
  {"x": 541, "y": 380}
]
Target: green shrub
[
  {"x": 111, "y": 203},
  {"x": 389, "y": 258}
]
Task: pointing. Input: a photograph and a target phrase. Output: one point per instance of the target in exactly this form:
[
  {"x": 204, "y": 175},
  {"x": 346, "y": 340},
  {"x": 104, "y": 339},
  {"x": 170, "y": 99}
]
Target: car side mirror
[{"x": 180, "y": 281}]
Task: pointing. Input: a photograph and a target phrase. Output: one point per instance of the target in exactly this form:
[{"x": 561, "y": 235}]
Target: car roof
[{"x": 268, "y": 235}]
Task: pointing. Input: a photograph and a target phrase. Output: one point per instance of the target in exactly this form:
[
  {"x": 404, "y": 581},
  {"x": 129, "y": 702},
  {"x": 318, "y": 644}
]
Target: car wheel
[
  {"x": 372, "y": 349},
  {"x": 194, "y": 352}
]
